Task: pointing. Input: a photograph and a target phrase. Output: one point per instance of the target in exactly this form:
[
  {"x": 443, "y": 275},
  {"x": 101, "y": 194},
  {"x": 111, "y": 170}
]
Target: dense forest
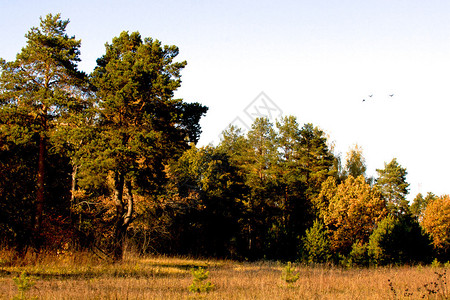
[{"x": 108, "y": 162}]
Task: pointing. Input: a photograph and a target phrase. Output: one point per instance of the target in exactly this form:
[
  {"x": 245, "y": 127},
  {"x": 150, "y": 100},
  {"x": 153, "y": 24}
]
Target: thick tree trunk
[
  {"x": 119, "y": 242},
  {"x": 40, "y": 196},
  {"x": 123, "y": 218}
]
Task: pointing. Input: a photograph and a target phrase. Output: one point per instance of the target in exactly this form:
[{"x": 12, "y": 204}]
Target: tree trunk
[
  {"x": 73, "y": 188},
  {"x": 118, "y": 237},
  {"x": 119, "y": 242},
  {"x": 130, "y": 207},
  {"x": 40, "y": 197},
  {"x": 123, "y": 218},
  {"x": 122, "y": 222},
  {"x": 74, "y": 185}
]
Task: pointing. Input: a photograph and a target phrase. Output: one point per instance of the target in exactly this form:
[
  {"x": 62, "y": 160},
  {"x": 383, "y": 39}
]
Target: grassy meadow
[{"x": 82, "y": 276}]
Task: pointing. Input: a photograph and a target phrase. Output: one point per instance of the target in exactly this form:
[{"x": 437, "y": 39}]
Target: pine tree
[
  {"x": 392, "y": 184},
  {"x": 315, "y": 158},
  {"x": 142, "y": 126},
  {"x": 260, "y": 177},
  {"x": 420, "y": 204},
  {"x": 39, "y": 90},
  {"x": 290, "y": 188}
]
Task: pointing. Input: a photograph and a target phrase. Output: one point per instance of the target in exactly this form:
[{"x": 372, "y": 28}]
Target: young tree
[
  {"x": 399, "y": 239},
  {"x": 38, "y": 91},
  {"x": 392, "y": 184},
  {"x": 355, "y": 164},
  {"x": 419, "y": 204},
  {"x": 316, "y": 243},
  {"x": 142, "y": 126},
  {"x": 436, "y": 221},
  {"x": 352, "y": 213}
]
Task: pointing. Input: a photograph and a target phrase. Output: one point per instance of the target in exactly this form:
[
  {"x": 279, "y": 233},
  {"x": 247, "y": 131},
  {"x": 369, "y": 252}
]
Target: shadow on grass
[{"x": 87, "y": 274}]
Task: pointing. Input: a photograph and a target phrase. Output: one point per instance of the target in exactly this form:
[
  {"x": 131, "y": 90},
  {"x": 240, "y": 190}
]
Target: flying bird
[
  {"x": 391, "y": 95},
  {"x": 370, "y": 96}
]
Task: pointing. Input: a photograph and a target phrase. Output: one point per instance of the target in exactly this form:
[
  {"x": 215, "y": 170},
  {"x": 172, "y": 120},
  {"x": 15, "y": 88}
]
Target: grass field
[{"x": 83, "y": 277}]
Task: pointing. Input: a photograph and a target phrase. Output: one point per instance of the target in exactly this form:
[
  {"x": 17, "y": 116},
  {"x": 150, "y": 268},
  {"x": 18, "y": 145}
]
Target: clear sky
[{"x": 316, "y": 60}]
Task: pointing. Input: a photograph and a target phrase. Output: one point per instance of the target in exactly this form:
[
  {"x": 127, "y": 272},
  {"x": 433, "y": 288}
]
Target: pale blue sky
[{"x": 316, "y": 60}]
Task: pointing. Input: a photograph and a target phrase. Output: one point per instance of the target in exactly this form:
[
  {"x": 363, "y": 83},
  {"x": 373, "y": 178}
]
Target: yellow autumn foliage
[
  {"x": 436, "y": 221},
  {"x": 353, "y": 212}
]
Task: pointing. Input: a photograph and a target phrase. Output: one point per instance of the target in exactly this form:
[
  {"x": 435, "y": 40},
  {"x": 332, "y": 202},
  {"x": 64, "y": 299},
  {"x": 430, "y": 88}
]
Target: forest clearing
[{"x": 81, "y": 276}]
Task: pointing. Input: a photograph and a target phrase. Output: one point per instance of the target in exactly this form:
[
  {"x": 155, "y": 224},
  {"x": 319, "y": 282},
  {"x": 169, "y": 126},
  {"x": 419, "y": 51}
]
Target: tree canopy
[
  {"x": 39, "y": 90},
  {"x": 393, "y": 186},
  {"x": 108, "y": 162}
]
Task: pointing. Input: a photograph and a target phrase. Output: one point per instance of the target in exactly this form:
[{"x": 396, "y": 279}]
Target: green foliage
[
  {"x": 420, "y": 203},
  {"x": 289, "y": 275},
  {"x": 209, "y": 189},
  {"x": 392, "y": 184},
  {"x": 120, "y": 149},
  {"x": 355, "y": 164},
  {"x": 316, "y": 243},
  {"x": 399, "y": 239},
  {"x": 141, "y": 127},
  {"x": 39, "y": 91},
  {"x": 381, "y": 235},
  {"x": 359, "y": 254},
  {"x": 23, "y": 283},
  {"x": 316, "y": 160},
  {"x": 199, "y": 284}
]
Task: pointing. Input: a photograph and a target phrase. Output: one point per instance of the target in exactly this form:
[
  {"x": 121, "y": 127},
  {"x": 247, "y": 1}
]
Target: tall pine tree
[
  {"x": 393, "y": 186},
  {"x": 142, "y": 126},
  {"x": 38, "y": 91}
]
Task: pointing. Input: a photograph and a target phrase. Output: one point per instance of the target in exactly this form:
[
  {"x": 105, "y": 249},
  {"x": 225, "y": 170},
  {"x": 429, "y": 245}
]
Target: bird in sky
[
  {"x": 371, "y": 95},
  {"x": 391, "y": 95}
]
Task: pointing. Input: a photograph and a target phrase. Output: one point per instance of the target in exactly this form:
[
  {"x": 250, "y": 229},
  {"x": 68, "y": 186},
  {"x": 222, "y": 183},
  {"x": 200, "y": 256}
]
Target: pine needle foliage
[
  {"x": 199, "y": 284},
  {"x": 23, "y": 283},
  {"x": 289, "y": 275}
]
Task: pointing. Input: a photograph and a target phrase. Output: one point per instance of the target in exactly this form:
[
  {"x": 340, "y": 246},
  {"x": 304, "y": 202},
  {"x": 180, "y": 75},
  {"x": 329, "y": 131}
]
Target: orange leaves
[
  {"x": 436, "y": 221},
  {"x": 353, "y": 210}
]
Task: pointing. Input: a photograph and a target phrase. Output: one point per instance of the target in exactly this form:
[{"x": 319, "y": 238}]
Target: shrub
[
  {"x": 359, "y": 255},
  {"x": 399, "y": 240},
  {"x": 199, "y": 285},
  {"x": 23, "y": 283},
  {"x": 289, "y": 275},
  {"x": 317, "y": 244}
]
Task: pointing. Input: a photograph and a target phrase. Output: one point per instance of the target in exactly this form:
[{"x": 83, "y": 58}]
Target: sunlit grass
[{"x": 82, "y": 276}]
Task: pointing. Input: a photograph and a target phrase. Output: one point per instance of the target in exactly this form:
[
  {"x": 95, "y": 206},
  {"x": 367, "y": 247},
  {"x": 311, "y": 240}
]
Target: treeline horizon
[{"x": 108, "y": 161}]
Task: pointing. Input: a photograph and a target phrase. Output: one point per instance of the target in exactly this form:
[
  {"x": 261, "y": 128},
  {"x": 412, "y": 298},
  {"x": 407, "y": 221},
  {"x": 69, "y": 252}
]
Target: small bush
[
  {"x": 359, "y": 255},
  {"x": 289, "y": 275},
  {"x": 199, "y": 285},
  {"x": 23, "y": 283},
  {"x": 317, "y": 244}
]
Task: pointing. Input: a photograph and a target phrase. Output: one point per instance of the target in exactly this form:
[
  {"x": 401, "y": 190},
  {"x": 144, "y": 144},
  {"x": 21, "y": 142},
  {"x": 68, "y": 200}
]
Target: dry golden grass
[{"x": 83, "y": 277}]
